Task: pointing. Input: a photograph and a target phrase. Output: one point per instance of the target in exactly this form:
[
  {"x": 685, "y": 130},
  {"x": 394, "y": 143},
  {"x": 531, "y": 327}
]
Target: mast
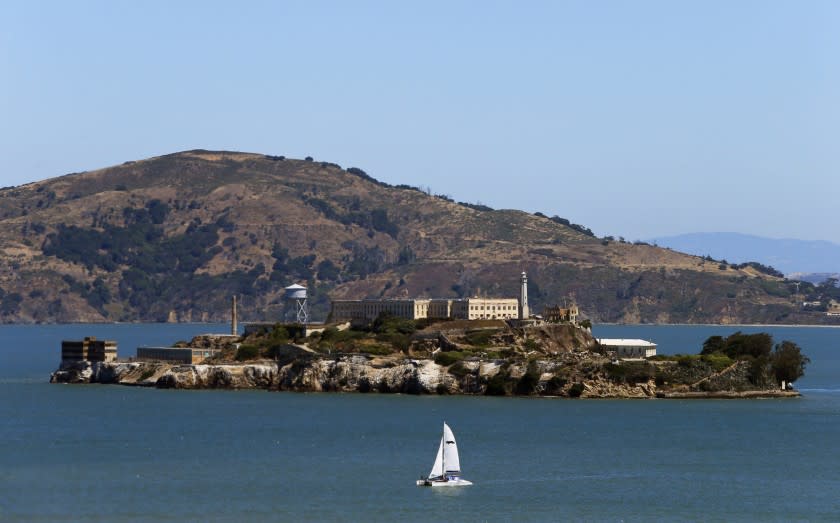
[{"x": 443, "y": 454}]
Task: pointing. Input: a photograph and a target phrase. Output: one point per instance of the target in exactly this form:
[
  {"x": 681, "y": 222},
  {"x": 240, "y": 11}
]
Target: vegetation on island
[
  {"x": 764, "y": 364},
  {"x": 556, "y": 359}
]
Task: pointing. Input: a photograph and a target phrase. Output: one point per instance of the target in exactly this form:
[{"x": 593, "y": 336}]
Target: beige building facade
[
  {"x": 89, "y": 349},
  {"x": 188, "y": 355},
  {"x": 466, "y": 309},
  {"x": 558, "y": 314}
]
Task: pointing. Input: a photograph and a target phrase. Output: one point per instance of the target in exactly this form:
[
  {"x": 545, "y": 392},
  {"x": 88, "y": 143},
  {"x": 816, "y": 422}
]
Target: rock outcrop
[
  {"x": 479, "y": 358},
  {"x": 359, "y": 373}
]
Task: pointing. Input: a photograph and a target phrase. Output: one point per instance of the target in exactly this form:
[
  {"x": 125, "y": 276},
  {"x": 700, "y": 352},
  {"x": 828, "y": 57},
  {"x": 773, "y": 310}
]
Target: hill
[
  {"x": 171, "y": 238},
  {"x": 791, "y": 257}
]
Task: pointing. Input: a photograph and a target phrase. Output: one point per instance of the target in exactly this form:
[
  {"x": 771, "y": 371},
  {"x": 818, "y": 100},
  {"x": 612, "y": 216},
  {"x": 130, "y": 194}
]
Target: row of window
[{"x": 494, "y": 307}]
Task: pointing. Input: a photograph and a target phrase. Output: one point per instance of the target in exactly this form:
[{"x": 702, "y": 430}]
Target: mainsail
[
  {"x": 447, "y": 455},
  {"x": 450, "y": 451}
]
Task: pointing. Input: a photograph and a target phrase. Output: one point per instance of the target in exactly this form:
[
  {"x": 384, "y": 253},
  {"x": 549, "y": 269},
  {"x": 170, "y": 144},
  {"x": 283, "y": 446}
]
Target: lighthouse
[{"x": 524, "y": 314}]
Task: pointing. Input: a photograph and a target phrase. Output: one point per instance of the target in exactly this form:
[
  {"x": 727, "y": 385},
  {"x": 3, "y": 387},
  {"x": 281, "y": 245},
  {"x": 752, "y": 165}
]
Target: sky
[{"x": 636, "y": 119}]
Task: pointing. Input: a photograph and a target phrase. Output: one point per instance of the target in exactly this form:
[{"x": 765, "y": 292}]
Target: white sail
[
  {"x": 437, "y": 468},
  {"x": 446, "y": 472},
  {"x": 450, "y": 451}
]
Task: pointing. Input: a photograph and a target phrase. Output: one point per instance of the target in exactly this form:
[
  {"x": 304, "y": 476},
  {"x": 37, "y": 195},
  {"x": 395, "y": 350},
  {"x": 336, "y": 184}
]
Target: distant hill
[
  {"x": 813, "y": 277},
  {"x": 171, "y": 238},
  {"x": 799, "y": 257}
]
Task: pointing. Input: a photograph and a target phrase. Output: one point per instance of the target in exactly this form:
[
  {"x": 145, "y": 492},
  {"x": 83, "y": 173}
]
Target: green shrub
[
  {"x": 480, "y": 338},
  {"x": 576, "y": 390},
  {"x": 527, "y": 384},
  {"x": 496, "y": 386},
  {"x": 376, "y": 350},
  {"x": 717, "y": 361},
  {"x": 247, "y": 352},
  {"x": 399, "y": 342},
  {"x": 500, "y": 354},
  {"x": 659, "y": 379},
  {"x": 630, "y": 372},
  {"x": 739, "y": 344},
  {"x": 387, "y": 323},
  {"x": 556, "y": 384},
  {"x": 448, "y": 358},
  {"x": 686, "y": 360},
  {"x": 279, "y": 334},
  {"x": 531, "y": 344},
  {"x": 458, "y": 369},
  {"x": 615, "y": 372}
]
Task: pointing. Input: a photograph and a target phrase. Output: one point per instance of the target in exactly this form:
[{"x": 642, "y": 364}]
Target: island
[{"x": 477, "y": 357}]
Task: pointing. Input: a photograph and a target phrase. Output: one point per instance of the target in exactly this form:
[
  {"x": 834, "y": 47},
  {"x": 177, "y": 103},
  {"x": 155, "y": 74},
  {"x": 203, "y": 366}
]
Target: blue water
[{"x": 111, "y": 453}]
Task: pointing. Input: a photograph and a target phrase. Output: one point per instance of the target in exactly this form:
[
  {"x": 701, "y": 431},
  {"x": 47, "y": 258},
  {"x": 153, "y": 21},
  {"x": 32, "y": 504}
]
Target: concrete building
[
  {"x": 89, "y": 349},
  {"x": 628, "y": 348},
  {"x": 488, "y": 309},
  {"x": 466, "y": 309},
  {"x": 558, "y": 314},
  {"x": 359, "y": 311},
  {"x": 187, "y": 355}
]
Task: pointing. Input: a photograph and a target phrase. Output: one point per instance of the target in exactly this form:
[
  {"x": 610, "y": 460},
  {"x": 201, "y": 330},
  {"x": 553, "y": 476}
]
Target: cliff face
[{"x": 363, "y": 374}]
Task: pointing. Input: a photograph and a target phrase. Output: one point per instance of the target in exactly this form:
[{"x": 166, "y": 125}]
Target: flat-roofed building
[
  {"x": 629, "y": 348},
  {"x": 187, "y": 355},
  {"x": 466, "y": 309},
  {"x": 558, "y": 314},
  {"x": 489, "y": 309},
  {"x": 89, "y": 349}
]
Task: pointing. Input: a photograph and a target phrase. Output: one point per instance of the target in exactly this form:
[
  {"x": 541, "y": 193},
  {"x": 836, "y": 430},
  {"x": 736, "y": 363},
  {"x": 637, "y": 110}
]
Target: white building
[
  {"x": 464, "y": 308},
  {"x": 467, "y": 309},
  {"x": 626, "y": 348}
]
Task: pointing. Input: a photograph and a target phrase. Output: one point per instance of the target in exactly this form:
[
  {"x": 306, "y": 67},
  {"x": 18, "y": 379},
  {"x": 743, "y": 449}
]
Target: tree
[
  {"x": 787, "y": 361},
  {"x": 739, "y": 345},
  {"x": 713, "y": 344}
]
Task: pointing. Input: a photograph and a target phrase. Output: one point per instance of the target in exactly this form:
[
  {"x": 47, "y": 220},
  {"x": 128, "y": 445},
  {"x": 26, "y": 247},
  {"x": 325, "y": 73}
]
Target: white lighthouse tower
[{"x": 524, "y": 313}]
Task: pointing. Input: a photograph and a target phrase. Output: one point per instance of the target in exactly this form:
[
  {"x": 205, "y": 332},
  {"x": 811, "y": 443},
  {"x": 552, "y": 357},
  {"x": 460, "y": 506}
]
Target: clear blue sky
[{"x": 637, "y": 119}]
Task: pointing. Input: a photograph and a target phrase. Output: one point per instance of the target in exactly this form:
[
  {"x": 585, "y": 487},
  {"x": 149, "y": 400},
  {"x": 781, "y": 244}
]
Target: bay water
[{"x": 114, "y": 453}]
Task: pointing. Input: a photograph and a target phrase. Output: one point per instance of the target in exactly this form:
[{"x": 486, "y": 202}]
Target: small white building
[{"x": 626, "y": 348}]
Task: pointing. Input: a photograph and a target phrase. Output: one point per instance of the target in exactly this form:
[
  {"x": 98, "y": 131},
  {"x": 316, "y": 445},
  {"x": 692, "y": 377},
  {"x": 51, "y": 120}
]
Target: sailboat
[{"x": 446, "y": 472}]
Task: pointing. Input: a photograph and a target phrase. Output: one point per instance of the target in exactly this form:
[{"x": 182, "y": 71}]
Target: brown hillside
[{"x": 171, "y": 238}]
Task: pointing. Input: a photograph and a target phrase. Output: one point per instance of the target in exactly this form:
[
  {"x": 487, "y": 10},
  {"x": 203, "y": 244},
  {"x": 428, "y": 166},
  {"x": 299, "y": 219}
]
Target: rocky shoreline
[
  {"x": 491, "y": 358},
  {"x": 361, "y": 373}
]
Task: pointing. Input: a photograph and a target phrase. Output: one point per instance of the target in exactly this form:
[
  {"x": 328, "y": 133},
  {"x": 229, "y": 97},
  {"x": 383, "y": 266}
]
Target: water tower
[{"x": 297, "y": 294}]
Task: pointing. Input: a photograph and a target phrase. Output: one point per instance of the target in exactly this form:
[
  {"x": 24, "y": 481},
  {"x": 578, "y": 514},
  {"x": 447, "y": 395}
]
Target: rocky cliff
[{"x": 410, "y": 376}]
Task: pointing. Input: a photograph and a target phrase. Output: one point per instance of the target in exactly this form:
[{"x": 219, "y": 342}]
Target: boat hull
[{"x": 452, "y": 483}]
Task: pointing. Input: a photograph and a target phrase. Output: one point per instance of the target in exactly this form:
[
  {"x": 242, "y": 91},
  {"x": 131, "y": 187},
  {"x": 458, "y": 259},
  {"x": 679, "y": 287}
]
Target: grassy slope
[{"x": 427, "y": 246}]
